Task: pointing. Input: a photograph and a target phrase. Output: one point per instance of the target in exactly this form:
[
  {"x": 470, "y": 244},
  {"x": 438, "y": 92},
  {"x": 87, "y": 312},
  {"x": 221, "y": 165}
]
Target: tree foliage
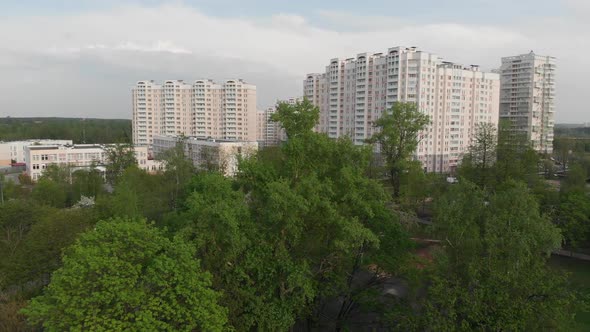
[
  {"x": 39, "y": 254},
  {"x": 296, "y": 119},
  {"x": 490, "y": 164},
  {"x": 138, "y": 194},
  {"x": 398, "y": 137},
  {"x": 178, "y": 170},
  {"x": 481, "y": 156},
  {"x": 573, "y": 218},
  {"x": 323, "y": 216},
  {"x": 119, "y": 158},
  {"x": 50, "y": 193},
  {"x": 491, "y": 272},
  {"x": 125, "y": 275},
  {"x": 16, "y": 219}
]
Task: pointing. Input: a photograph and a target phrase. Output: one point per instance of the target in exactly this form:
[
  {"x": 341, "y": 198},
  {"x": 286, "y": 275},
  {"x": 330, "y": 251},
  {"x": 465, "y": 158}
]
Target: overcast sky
[{"x": 80, "y": 58}]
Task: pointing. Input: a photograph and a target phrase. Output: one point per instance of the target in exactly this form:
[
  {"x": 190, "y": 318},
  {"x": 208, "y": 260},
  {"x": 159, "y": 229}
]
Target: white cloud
[{"x": 100, "y": 55}]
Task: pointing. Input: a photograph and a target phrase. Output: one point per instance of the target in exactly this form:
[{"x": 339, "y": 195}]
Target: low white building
[
  {"x": 78, "y": 156},
  {"x": 207, "y": 153},
  {"x": 15, "y": 150}
]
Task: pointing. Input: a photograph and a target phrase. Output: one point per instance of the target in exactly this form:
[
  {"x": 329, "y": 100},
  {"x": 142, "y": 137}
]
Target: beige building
[
  {"x": 204, "y": 109},
  {"x": 208, "y": 154},
  {"x": 527, "y": 97},
  {"x": 352, "y": 93},
  {"x": 15, "y": 150},
  {"x": 270, "y": 133},
  {"x": 78, "y": 156}
]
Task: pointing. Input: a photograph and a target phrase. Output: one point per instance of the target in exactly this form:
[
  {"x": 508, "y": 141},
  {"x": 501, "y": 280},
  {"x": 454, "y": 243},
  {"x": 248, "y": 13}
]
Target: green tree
[
  {"x": 296, "y": 119},
  {"x": 324, "y": 216},
  {"x": 119, "y": 157},
  {"x": 87, "y": 183},
  {"x": 125, "y": 275},
  {"x": 40, "y": 251},
  {"x": 516, "y": 159},
  {"x": 562, "y": 150},
  {"x": 489, "y": 165},
  {"x": 16, "y": 219},
  {"x": 478, "y": 162},
  {"x": 418, "y": 187},
  {"x": 50, "y": 193},
  {"x": 137, "y": 194},
  {"x": 178, "y": 170},
  {"x": 398, "y": 137},
  {"x": 11, "y": 190},
  {"x": 491, "y": 272},
  {"x": 62, "y": 176},
  {"x": 210, "y": 160},
  {"x": 58, "y": 173},
  {"x": 574, "y": 218},
  {"x": 575, "y": 179}
]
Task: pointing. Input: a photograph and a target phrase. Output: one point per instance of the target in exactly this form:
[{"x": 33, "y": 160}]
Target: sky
[{"x": 80, "y": 58}]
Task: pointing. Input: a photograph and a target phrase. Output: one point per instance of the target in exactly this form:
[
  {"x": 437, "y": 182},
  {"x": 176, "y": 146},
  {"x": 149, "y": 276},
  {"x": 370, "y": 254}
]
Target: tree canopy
[
  {"x": 397, "y": 136},
  {"x": 125, "y": 275},
  {"x": 296, "y": 119},
  {"x": 491, "y": 272}
]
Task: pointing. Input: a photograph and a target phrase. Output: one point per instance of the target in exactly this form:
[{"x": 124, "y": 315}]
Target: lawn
[{"x": 580, "y": 278}]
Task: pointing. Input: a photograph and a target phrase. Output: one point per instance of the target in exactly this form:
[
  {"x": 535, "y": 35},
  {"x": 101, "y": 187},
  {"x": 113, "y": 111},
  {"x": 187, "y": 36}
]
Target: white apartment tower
[
  {"x": 354, "y": 92},
  {"x": 527, "y": 97},
  {"x": 201, "y": 109}
]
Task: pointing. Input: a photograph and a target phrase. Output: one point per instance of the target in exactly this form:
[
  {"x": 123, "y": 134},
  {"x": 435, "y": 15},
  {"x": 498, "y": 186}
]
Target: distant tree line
[
  {"x": 79, "y": 130},
  {"x": 582, "y": 132}
]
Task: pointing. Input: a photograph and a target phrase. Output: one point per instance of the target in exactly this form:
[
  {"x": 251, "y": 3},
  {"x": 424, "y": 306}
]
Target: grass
[{"x": 580, "y": 278}]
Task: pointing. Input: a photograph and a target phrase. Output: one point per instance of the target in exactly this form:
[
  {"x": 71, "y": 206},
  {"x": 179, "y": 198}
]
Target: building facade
[
  {"x": 78, "y": 156},
  {"x": 527, "y": 97},
  {"x": 208, "y": 154},
  {"x": 269, "y": 132},
  {"x": 15, "y": 150},
  {"x": 203, "y": 108},
  {"x": 352, "y": 93}
]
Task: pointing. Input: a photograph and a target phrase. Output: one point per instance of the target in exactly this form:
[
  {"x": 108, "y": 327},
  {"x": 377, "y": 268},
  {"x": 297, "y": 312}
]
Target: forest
[
  {"x": 313, "y": 235},
  {"x": 578, "y": 132},
  {"x": 100, "y": 131}
]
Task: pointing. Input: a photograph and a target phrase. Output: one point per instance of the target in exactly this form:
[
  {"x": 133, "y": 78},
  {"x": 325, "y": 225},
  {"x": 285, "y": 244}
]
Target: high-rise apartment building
[
  {"x": 527, "y": 97},
  {"x": 201, "y": 109},
  {"x": 270, "y": 133},
  {"x": 352, "y": 93}
]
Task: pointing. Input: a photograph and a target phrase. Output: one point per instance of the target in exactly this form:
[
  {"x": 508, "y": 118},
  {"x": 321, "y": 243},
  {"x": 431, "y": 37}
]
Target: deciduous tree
[
  {"x": 397, "y": 137},
  {"x": 296, "y": 119},
  {"x": 125, "y": 275},
  {"x": 119, "y": 157},
  {"x": 491, "y": 272}
]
